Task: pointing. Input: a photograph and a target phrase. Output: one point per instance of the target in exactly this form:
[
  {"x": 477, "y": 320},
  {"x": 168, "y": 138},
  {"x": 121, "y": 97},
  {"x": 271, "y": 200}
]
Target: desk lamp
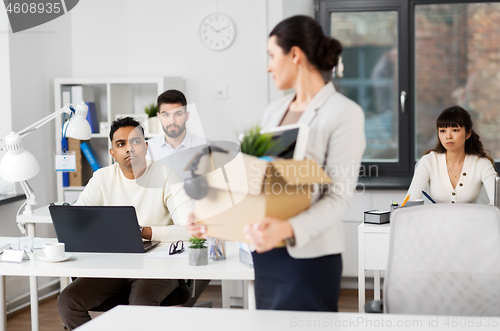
[{"x": 19, "y": 165}]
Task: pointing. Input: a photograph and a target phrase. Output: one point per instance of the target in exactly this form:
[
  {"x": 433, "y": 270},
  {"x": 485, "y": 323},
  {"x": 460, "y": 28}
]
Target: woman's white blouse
[{"x": 432, "y": 169}]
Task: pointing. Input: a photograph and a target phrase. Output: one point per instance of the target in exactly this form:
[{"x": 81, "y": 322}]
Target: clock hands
[
  {"x": 211, "y": 27},
  {"x": 218, "y": 30},
  {"x": 227, "y": 26}
]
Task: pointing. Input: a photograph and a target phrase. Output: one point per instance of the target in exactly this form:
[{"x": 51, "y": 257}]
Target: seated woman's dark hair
[
  {"x": 123, "y": 122},
  {"x": 456, "y": 116},
  {"x": 304, "y": 32}
]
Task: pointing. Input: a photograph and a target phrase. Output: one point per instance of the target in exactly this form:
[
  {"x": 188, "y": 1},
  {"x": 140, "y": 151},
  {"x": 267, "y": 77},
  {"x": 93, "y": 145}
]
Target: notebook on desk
[{"x": 99, "y": 229}]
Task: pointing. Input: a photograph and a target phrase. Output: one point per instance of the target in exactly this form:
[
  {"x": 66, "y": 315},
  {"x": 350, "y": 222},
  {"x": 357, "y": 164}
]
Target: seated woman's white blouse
[{"x": 477, "y": 171}]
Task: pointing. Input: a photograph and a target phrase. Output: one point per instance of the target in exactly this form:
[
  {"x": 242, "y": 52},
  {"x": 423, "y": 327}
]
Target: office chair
[{"x": 444, "y": 260}]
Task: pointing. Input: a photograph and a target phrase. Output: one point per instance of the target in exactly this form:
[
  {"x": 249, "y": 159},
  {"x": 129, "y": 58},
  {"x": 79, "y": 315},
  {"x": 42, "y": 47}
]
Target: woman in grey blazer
[{"x": 306, "y": 274}]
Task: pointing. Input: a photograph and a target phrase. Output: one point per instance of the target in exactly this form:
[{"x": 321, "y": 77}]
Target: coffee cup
[{"x": 54, "y": 249}]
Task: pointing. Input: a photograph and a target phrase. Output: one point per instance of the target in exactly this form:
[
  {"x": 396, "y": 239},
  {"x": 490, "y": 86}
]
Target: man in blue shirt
[
  {"x": 173, "y": 115},
  {"x": 177, "y": 147}
]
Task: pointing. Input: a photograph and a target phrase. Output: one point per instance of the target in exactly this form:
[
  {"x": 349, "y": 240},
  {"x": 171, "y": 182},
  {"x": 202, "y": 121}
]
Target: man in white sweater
[{"x": 162, "y": 208}]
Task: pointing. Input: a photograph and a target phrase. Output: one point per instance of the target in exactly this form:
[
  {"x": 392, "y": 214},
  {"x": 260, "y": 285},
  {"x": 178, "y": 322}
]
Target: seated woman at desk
[{"x": 458, "y": 166}]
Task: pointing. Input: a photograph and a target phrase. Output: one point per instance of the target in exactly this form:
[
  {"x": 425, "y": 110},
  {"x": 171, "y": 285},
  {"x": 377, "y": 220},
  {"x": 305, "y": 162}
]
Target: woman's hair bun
[
  {"x": 327, "y": 53},
  {"x": 307, "y": 34}
]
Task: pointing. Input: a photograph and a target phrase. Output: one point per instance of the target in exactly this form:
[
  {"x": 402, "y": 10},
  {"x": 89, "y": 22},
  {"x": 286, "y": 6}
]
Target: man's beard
[{"x": 174, "y": 134}]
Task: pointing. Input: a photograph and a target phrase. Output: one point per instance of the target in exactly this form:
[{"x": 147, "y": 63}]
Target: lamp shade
[
  {"x": 78, "y": 127},
  {"x": 18, "y": 164}
]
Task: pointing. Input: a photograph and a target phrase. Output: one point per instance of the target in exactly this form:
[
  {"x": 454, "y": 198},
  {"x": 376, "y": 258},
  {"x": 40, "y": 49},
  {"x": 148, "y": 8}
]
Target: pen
[
  {"x": 406, "y": 200},
  {"x": 428, "y": 197}
]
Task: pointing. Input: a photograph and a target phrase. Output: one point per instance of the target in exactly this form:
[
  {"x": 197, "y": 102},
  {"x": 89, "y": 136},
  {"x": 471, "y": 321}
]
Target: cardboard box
[{"x": 244, "y": 189}]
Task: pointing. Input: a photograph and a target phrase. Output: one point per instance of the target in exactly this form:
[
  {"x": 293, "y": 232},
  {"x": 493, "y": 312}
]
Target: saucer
[{"x": 44, "y": 258}]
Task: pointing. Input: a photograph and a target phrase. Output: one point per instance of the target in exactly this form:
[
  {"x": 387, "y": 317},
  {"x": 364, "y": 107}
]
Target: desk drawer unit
[{"x": 376, "y": 251}]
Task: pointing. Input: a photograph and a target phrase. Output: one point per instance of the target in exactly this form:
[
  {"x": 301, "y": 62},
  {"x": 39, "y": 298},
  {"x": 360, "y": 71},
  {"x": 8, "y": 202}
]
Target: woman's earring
[{"x": 339, "y": 69}]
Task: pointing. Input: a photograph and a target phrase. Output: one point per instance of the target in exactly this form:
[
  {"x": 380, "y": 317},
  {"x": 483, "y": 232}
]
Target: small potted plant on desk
[{"x": 198, "y": 252}]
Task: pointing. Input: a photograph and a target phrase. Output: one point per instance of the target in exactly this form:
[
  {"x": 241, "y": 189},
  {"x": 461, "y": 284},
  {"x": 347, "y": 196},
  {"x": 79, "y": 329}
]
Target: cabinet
[{"x": 112, "y": 97}]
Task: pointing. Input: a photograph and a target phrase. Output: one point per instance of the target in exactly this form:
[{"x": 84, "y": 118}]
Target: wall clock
[{"x": 217, "y": 31}]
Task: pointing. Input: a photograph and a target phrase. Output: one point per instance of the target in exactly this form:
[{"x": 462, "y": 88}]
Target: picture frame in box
[{"x": 293, "y": 143}]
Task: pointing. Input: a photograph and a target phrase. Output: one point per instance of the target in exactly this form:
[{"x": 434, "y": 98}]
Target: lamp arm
[
  {"x": 30, "y": 201},
  {"x": 30, "y": 195},
  {"x": 45, "y": 120}
]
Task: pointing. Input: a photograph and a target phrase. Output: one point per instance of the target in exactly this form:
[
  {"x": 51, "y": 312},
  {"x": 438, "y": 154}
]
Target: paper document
[
  {"x": 37, "y": 244},
  {"x": 4, "y": 246}
]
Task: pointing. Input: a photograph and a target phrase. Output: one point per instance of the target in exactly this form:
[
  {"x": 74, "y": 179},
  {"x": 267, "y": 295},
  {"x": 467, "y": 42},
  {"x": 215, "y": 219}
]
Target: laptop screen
[{"x": 100, "y": 229}]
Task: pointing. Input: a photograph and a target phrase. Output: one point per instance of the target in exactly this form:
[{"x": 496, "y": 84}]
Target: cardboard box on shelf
[
  {"x": 75, "y": 177},
  {"x": 244, "y": 189}
]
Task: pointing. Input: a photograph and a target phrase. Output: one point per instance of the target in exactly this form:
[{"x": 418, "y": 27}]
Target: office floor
[{"x": 50, "y": 321}]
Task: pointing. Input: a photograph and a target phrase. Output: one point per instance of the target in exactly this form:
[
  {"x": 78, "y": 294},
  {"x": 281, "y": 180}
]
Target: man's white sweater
[{"x": 158, "y": 197}]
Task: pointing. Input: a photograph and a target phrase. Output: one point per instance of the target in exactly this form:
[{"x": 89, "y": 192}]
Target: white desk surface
[
  {"x": 133, "y": 318},
  {"x": 39, "y": 215},
  {"x": 116, "y": 265}
]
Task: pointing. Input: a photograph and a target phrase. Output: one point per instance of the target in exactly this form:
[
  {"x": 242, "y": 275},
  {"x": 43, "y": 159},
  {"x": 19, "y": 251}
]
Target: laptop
[{"x": 99, "y": 229}]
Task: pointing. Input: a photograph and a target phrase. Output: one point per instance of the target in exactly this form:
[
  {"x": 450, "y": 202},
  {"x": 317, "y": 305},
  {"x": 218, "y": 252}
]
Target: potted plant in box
[
  {"x": 198, "y": 252},
  {"x": 256, "y": 143}
]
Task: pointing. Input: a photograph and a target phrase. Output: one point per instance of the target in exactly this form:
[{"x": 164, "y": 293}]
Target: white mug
[{"x": 54, "y": 249}]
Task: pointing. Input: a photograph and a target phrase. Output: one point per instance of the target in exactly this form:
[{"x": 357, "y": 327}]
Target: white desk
[
  {"x": 126, "y": 266},
  {"x": 373, "y": 254},
  {"x": 131, "y": 318}
]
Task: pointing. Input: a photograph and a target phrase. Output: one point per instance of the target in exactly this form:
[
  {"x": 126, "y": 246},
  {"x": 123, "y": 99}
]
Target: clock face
[{"x": 217, "y": 31}]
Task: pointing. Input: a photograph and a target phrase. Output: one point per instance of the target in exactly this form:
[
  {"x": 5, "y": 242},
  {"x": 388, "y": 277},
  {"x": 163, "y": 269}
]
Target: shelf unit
[{"x": 112, "y": 96}]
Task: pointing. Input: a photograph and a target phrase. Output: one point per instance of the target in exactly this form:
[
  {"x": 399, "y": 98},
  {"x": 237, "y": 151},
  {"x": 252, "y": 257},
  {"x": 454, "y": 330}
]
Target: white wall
[
  {"x": 151, "y": 37},
  {"x": 298, "y": 7},
  {"x": 5, "y": 106},
  {"x": 5, "y": 102},
  {"x": 36, "y": 57}
]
